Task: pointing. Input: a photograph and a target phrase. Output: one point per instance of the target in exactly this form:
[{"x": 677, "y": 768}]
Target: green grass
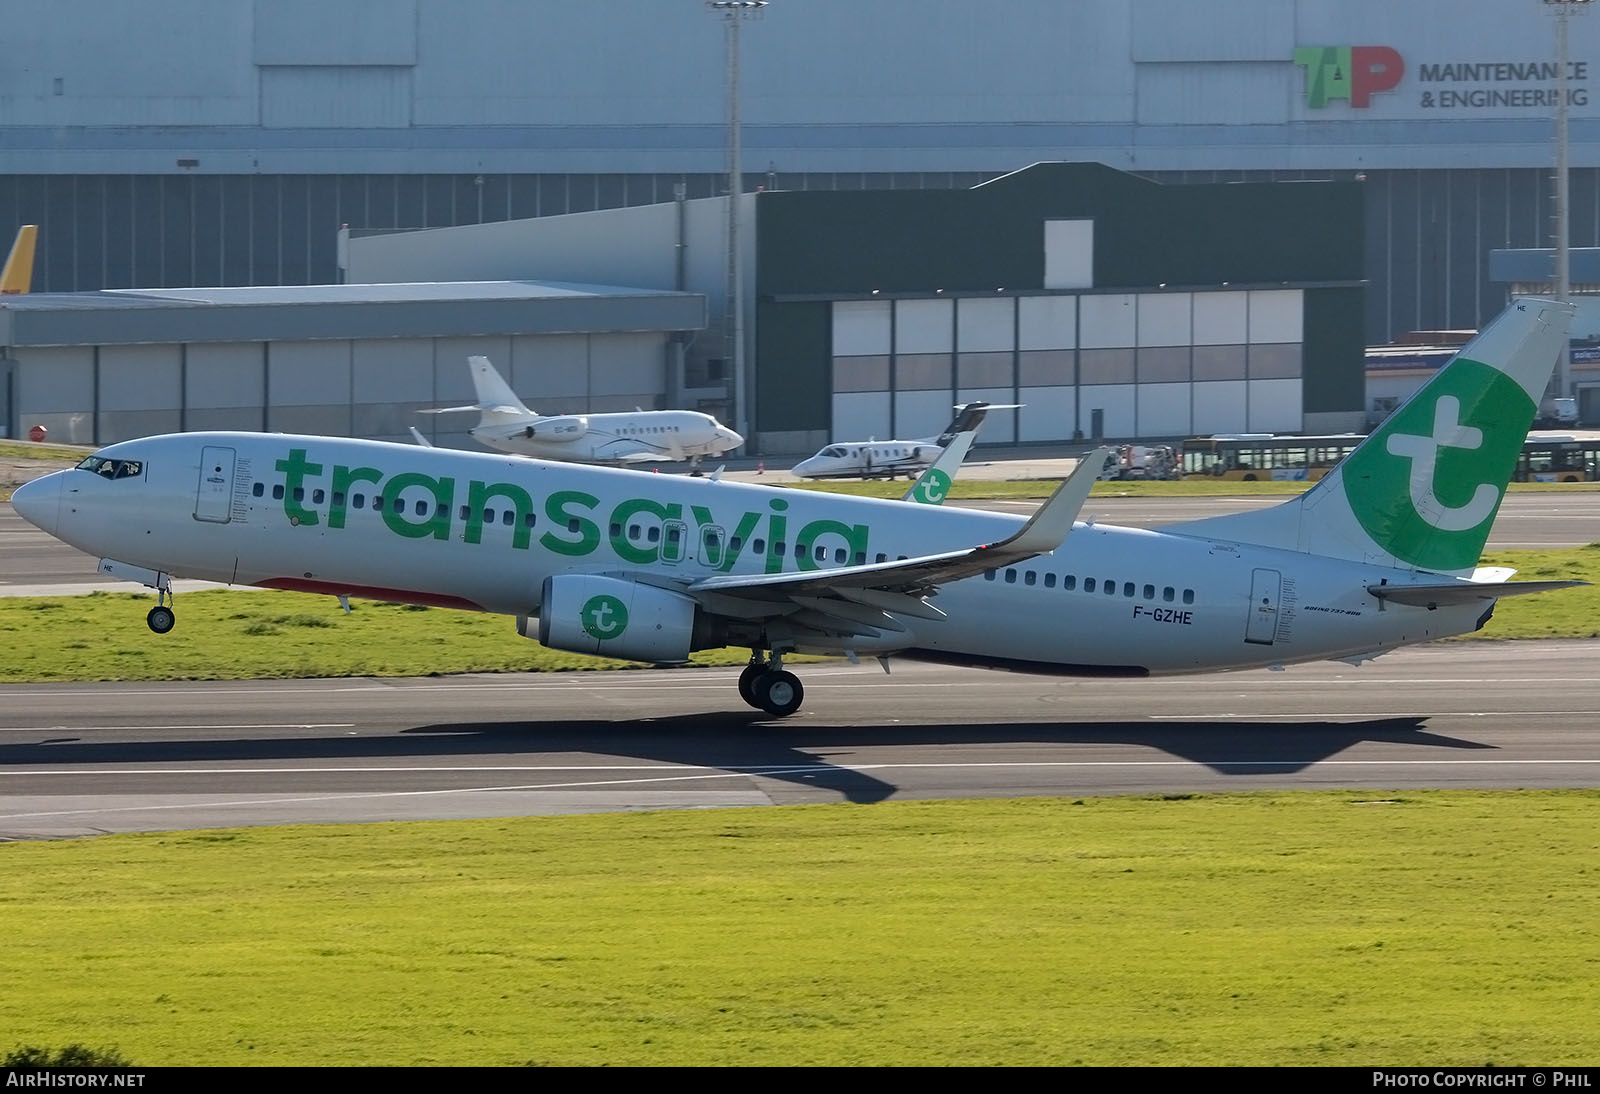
[
  {"x": 979, "y": 490},
  {"x": 27, "y": 450},
  {"x": 226, "y": 635},
  {"x": 1429, "y": 928}
]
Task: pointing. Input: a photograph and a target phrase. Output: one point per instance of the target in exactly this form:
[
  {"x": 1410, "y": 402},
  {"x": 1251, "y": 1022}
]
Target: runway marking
[
  {"x": 1367, "y": 714},
  {"x": 742, "y": 774}
]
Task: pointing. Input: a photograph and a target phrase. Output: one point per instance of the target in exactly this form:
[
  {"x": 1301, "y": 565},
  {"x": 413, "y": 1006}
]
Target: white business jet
[
  {"x": 640, "y": 436},
  {"x": 871, "y": 459},
  {"x": 1381, "y": 553}
]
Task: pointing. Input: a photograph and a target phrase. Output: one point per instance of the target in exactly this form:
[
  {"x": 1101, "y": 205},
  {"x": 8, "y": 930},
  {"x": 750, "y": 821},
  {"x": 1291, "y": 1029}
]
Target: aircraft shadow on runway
[{"x": 801, "y": 752}]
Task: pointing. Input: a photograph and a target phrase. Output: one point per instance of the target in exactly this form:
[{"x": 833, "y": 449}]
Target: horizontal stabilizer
[{"x": 1463, "y": 592}]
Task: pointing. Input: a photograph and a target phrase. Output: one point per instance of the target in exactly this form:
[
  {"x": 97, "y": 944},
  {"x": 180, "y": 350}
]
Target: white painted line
[{"x": 97, "y": 729}]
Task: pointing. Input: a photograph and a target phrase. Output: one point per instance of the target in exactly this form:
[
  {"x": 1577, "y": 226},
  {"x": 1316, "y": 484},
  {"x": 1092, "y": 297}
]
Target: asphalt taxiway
[{"x": 79, "y": 759}]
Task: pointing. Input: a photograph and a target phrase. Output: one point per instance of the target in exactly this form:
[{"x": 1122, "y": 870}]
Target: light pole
[
  {"x": 1563, "y": 272},
  {"x": 733, "y": 13}
]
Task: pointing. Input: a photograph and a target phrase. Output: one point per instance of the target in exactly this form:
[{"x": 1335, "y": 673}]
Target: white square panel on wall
[
  {"x": 1164, "y": 319},
  {"x": 1277, "y": 315},
  {"x": 1047, "y": 322},
  {"x": 1275, "y": 406},
  {"x": 142, "y": 377},
  {"x": 1107, "y": 322},
  {"x": 1164, "y": 410},
  {"x": 318, "y": 374},
  {"x": 860, "y": 328},
  {"x": 985, "y": 325},
  {"x": 1116, "y": 400},
  {"x": 860, "y": 416},
  {"x": 1219, "y": 407},
  {"x": 1221, "y": 318},
  {"x": 1047, "y": 414},
  {"x": 1069, "y": 254},
  {"x": 923, "y": 326},
  {"x": 919, "y": 414},
  {"x": 998, "y": 425}
]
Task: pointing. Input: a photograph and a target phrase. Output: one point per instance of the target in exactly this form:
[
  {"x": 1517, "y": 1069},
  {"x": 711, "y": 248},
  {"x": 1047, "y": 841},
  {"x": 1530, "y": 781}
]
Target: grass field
[
  {"x": 1429, "y": 928},
  {"x": 227, "y": 635}
]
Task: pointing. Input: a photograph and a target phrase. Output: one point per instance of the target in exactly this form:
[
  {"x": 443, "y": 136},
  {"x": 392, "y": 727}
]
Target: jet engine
[
  {"x": 568, "y": 427},
  {"x": 614, "y": 617}
]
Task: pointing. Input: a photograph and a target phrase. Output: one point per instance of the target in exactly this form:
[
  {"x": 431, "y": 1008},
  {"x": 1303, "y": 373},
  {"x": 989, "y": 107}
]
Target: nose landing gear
[
  {"x": 161, "y": 618},
  {"x": 766, "y": 686}
]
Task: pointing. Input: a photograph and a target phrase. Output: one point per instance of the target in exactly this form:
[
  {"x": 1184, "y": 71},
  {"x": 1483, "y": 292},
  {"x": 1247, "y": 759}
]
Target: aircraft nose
[
  {"x": 729, "y": 437},
  {"x": 39, "y": 501}
]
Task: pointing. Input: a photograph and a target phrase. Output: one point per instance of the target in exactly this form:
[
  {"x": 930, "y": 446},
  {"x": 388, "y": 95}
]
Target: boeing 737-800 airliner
[{"x": 1381, "y": 553}]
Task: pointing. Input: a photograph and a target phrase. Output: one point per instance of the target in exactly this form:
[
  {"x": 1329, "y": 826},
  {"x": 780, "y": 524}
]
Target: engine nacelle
[
  {"x": 614, "y": 617},
  {"x": 568, "y": 427}
]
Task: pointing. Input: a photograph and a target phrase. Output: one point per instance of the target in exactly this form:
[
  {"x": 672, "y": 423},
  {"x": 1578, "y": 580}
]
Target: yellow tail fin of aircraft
[{"x": 18, "y": 274}]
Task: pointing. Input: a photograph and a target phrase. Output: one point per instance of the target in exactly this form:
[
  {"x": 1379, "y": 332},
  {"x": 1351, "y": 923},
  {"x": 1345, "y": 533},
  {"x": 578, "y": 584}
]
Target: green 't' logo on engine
[
  {"x": 932, "y": 488},
  {"x": 604, "y": 617},
  {"x": 1427, "y": 484}
]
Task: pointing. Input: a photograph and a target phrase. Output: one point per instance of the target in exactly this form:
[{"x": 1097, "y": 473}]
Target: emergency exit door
[
  {"x": 214, "y": 495},
  {"x": 1262, "y": 625}
]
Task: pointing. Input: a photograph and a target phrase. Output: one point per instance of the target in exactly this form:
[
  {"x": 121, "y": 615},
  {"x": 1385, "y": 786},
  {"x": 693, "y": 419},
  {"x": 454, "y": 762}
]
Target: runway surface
[
  {"x": 35, "y": 564},
  {"x": 81, "y": 759}
]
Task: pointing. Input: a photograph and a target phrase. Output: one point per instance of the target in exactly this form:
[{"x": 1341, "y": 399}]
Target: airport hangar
[
  {"x": 1109, "y": 306},
  {"x": 340, "y": 360}
]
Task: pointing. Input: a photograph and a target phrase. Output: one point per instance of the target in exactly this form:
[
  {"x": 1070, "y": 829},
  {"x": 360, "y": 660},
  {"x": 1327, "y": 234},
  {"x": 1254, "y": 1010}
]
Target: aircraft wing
[
  {"x": 1043, "y": 532},
  {"x": 628, "y": 450}
]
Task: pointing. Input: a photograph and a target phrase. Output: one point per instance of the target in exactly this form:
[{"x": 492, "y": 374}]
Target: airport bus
[{"x": 1267, "y": 457}]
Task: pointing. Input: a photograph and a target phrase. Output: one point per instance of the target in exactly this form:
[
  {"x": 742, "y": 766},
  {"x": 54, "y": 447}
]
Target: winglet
[
  {"x": 933, "y": 485},
  {"x": 18, "y": 274},
  {"x": 1052, "y": 521}
]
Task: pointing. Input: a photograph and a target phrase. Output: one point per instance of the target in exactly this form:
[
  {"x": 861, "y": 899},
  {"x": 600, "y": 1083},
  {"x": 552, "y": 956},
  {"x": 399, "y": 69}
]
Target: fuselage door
[
  {"x": 1263, "y": 622},
  {"x": 674, "y": 539},
  {"x": 214, "y": 495}
]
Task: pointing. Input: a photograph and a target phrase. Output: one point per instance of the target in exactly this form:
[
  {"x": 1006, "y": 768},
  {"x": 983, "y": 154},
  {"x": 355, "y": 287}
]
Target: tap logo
[
  {"x": 933, "y": 488},
  {"x": 604, "y": 617},
  {"x": 1427, "y": 485},
  {"x": 1351, "y": 73}
]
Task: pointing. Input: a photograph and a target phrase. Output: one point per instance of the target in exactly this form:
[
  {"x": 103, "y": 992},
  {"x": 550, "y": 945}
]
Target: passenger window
[
  {"x": 399, "y": 505},
  {"x": 1127, "y": 588},
  {"x": 1049, "y": 581},
  {"x": 509, "y": 517},
  {"x": 1149, "y": 592},
  {"x": 758, "y": 545},
  {"x": 1011, "y": 577},
  {"x": 1069, "y": 582},
  {"x": 359, "y": 501},
  {"x": 529, "y": 520},
  {"x": 616, "y": 529},
  {"x": 711, "y": 539},
  {"x": 574, "y": 525},
  {"x": 377, "y": 503},
  {"x": 1088, "y": 584},
  {"x": 988, "y": 575},
  {"x": 1188, "y": 596},
  {"x": 633, "y": 532},
  {"x": 885, "y": 558},
  {"x": 672, "y": 535},
  {"x": 839, "y": 554},
  {"x": 799, "y": 550},
  {"x": 259, "y": 489},
  {"x": 316, "y": 497},
  {"x": 338, "y": 498},
  {"x": 422, "y": 508},
  {"x": 1030, "y": 578},
  {"x": 488, "y": 516},
  {"x": 299, "y": 493},
  {"x": 778, "y": 547},
  {"x": 1167, "y": 594},
  {"x": 734, "y": 544},
  {"x": 466, "y": 512},
  {"x": 653, "y": 534},
  {"x": 1109, "y": 586},
  {"x": 277, "y": 492}
]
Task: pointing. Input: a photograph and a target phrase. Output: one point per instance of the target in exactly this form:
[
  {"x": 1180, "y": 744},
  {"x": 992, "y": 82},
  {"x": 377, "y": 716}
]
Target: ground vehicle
[
  {"x": 1143, "y": 461},
  {"x": 1252, "y": 457}
]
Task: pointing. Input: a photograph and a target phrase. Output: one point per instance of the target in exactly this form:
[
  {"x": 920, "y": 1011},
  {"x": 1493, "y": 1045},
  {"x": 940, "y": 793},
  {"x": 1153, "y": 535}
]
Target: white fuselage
[
  {"x": 477, "y": 530},
  {"x": 664, "y": 435},
  {"x": 868, "y": 459}
]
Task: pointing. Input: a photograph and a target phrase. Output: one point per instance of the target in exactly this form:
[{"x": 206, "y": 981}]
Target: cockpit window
[
  {"x": 835, "y": 451},
  {"x": 113, "y": 469}
]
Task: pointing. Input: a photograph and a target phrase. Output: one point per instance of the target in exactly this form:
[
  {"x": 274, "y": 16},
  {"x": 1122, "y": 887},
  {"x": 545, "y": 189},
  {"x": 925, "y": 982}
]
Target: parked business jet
[
  {"x": 641, "y": 436},
  {"x": 870, "y": 459},
  {"x": 1381, "y": 553}
]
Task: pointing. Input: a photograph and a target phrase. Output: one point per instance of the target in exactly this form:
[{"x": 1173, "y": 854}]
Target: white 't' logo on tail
[{"x": 1423, "y": 452}]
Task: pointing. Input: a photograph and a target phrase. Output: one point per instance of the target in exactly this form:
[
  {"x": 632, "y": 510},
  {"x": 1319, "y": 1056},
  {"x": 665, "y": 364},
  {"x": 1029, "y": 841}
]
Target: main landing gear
[
  {"x": 766, "y": 686},
  {"x": 161, "y": 619}
]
